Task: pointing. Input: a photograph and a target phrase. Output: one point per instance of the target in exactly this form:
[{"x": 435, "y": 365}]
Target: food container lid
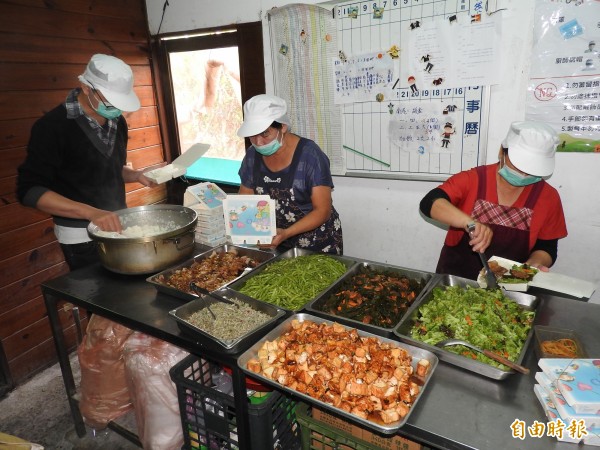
[{"x": 179, "y": 165}]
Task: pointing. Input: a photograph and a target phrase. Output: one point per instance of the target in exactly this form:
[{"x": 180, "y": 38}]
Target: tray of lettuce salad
[{"x": 458, "y": 308}]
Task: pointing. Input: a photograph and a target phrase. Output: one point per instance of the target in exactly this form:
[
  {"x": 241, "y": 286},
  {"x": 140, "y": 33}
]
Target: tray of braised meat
[
  {"x": 211, "y": 270},
  {"x": 372, "y": 297},
  {"x": 371, "y": 380}
]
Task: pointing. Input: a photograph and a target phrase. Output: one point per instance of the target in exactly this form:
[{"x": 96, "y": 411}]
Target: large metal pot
[{"x": 147, "y": 254}]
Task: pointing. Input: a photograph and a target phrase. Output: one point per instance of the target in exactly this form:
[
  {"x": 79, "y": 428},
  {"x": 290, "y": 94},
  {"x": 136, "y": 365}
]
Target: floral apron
[
  {"x": 327, "y": 238},
  {"x": 511, "y": 233}
]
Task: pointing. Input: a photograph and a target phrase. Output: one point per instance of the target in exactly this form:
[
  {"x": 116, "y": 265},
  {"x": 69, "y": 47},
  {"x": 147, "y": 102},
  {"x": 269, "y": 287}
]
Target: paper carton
[{"x": 375, "y": 440}]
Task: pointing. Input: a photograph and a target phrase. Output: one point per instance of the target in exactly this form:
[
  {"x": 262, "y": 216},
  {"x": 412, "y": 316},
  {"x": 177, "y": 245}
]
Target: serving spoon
[{"x": 488, "y": 353}]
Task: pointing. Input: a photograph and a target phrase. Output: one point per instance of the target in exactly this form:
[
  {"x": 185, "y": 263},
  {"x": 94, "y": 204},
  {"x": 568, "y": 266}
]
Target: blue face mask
[
  {"x": 270, "y": 148},
  {"x": 515, "y": 178},
  {"x": 106, "y": 111}
]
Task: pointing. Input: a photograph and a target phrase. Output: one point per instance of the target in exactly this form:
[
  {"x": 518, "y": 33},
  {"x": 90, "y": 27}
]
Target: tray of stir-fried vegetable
[
  {"x": 372, "y": 297},
  {"x": 457, "y": 308},
  {"x": 293, "y": 278}
]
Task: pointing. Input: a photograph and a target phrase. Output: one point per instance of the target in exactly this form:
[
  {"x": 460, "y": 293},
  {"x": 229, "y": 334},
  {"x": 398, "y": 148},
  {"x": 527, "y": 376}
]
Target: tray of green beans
[{"x": 293, "y": 278}]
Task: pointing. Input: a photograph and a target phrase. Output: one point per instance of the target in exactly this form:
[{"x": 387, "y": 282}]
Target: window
[{"x": 204, "y": 79}]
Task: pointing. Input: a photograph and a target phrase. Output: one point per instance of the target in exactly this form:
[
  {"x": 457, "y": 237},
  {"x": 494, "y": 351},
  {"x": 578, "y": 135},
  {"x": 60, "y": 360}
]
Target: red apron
[{"x": 511, "y": 233}]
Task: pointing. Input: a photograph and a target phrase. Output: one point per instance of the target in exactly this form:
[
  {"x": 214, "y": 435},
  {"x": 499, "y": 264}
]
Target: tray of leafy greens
[{"x": 457, "y": 308}]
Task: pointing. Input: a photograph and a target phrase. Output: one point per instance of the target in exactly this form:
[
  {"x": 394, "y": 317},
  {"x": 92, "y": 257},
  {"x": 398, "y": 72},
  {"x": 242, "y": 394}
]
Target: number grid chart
[{"x": 426, "y": 129}]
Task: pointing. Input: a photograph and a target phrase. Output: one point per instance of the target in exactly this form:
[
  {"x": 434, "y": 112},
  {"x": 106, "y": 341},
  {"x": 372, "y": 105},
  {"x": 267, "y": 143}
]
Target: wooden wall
[{"x": 44, "y": 45}]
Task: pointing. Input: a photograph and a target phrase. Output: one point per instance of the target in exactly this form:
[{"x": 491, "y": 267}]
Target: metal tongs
[
  {"x": 490, "y": 278},
  {"x": 201, "y": 291}
]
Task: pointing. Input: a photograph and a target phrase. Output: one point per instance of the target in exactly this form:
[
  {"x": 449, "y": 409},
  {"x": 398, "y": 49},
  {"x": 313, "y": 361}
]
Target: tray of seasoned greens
[
  {"x": 211, "y": 270},
  {"x": 457, "y": 308},
  {"x": 368, "y": 379},
  {"x": 371, "y": 296},
  {"x": 233, "y": 326},
  {"x": 293, "y": 278}
]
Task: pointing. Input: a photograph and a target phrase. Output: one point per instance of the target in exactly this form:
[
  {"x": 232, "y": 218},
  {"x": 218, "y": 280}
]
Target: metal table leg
[{"x": 63, "y": 359}]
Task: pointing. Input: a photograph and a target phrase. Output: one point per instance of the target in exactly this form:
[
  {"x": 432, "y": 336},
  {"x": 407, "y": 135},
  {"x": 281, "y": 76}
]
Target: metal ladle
[{"x": 488, "y": 353}]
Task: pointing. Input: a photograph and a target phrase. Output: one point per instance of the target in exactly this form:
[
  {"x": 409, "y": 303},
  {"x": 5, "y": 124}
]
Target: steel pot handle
[{"x": 177, "y": 240}]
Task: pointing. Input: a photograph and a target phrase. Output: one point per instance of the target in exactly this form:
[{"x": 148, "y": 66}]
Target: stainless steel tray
[
  {"x": 289, "y": 254},
  {"x": 391, "y": 428},
  {"x": 182, "y": 313},
  {"x": 317, "y": 305},
  {"x": 259, "y": 256},
  {"x": 402, "y": 331}
]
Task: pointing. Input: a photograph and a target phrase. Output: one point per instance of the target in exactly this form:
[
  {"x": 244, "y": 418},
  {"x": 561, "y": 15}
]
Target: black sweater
[{"x": 61, "y": 158}]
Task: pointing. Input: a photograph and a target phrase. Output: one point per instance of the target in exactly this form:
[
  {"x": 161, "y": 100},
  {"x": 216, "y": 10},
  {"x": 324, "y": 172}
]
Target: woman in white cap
[
  {"x": 292, "y": 170},
  {"x": 75, "y": 166},
  {"x": 515, "y": 213}
]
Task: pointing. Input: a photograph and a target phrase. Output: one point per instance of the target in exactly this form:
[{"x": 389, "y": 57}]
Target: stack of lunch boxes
[{"x": 207, "y": 200}]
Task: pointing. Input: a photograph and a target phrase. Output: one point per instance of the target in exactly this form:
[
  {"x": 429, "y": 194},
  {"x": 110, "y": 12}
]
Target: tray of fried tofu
[{"x": 368, "y": 379}]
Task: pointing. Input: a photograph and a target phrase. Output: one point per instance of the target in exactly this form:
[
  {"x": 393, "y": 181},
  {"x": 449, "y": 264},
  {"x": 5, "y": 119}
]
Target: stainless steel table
[
  {"x": 459, "y": 410},
  {"x": 136, "y": 304}
]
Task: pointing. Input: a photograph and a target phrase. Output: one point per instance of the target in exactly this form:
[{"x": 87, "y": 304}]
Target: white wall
[{"x": 389, "y": 208}]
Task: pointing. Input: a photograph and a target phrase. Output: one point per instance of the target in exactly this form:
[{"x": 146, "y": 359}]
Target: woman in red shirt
[{"x": 517, "y": 215}]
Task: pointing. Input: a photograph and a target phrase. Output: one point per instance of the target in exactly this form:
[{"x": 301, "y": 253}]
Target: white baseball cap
[
  {"x": 260, "y": 112},
  {"x": 532, "y": 146},
  {"x": 114, "y": 79}
]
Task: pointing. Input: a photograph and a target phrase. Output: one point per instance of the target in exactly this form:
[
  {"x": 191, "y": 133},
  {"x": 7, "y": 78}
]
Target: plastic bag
[
  {"x": 147, "y": 364},
  {"x": 104, "y": 391}
]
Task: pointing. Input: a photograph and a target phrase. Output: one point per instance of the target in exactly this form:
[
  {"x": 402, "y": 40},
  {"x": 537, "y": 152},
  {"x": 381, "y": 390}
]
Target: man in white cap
[
  {"x": 75, "y": 167},
  {"x": 294, "y": 172},
  {"x": 515, "y": 213}
]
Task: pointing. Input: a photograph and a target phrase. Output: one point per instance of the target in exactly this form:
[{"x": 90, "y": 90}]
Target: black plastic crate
[{"x": 208, "y": 416}]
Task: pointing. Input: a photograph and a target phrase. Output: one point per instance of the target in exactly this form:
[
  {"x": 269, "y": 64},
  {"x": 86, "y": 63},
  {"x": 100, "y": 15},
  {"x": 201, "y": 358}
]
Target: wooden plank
[
  {"x": 22, "y": 105},
  {"x": 11, "y": 159},
  {"x": 16, "y": 216},
  {"x": 39, "y": 358},
  {"x": 23, "y": 316},
  {"x": 147, "y": 196},
  {"x": 115, "y": 8},
  {"x": 143, "y": 117},
  {"x": 51, "y": 49},
  {"x": 144, "y": 137},
  {"x": 34, "y": 334},
  {"x": 24, "y": 239},
  {"x": 26, "y": 289},
  {"x": 30, "y": 262},
  {"x": 51, "y": 22},
  {"x": 15, "y": 132},
  {"x": 146, "y": 157},
  {"x": 7, "y": 190},
  {"x": 27, "y": 76}
]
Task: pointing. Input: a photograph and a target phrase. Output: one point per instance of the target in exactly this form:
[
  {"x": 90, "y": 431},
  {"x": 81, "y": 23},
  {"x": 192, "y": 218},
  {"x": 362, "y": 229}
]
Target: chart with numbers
[{"x": 426, "y": 125}]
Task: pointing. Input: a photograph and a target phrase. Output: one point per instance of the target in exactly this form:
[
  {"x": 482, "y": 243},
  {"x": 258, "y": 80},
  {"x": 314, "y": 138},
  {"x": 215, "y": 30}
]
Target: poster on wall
[{"x": 564, "y": 81}]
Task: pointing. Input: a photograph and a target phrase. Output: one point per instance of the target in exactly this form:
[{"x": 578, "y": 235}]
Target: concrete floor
[{"x": 38, "y": 412}]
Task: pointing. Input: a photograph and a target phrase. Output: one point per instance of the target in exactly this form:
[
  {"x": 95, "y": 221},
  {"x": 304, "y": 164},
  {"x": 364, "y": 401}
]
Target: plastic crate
[
  {"x": 317, "y": 435},
  {"x": 208, "y": 416}
]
